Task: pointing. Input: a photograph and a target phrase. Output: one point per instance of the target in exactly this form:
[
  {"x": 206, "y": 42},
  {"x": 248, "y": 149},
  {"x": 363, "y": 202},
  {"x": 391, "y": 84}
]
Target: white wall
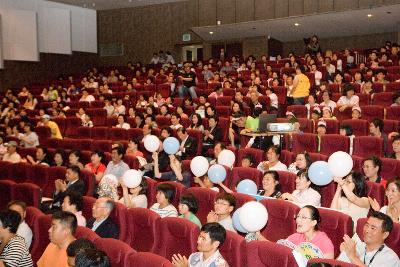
[{"x": 60, "y": 28}]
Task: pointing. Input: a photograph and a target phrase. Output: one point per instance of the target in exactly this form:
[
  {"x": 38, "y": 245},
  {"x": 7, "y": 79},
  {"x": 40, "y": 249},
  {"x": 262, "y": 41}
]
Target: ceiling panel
[{"x": 113, "y": 4}]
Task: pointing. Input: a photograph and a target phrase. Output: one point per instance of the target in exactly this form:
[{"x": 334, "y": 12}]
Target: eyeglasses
[{"x": 302, "y": 217}]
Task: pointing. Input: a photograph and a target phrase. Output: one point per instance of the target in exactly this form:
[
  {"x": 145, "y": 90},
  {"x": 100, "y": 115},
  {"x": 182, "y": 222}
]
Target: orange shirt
[{"x": 53, "y": 256}]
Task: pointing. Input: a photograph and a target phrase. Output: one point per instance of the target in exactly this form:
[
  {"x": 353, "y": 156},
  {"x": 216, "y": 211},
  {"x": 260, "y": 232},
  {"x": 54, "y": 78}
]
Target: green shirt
[{"x": 193, "y": 219}]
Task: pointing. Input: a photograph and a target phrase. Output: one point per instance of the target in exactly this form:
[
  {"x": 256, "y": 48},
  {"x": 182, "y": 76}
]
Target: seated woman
[
  {"x": 304, "y": 194},
  {"x": 307, "y": 221},
  {"x": 96, "y": 166},
  {"x": 237, "y": 121},
  {"x": 121, "y": 123},
  {"x": 272, "y": 163},
  {"x": 13, "y": 248},
  {"x": 188, "y": 207},
  {"x": 197, "y": 123},
  {"x": 392, "y": 209},
  {"x": 134, "y": 197},
  {"x": 73, "y": 202},
  {"x": 165, "y": 195},
  {"x": 303, "y": 161},
  {"x": 132, "y": 148},
  {"x": 351, "y": 196},
  {"x": 349, "y": 99},
  {"x": 396, "y": 147},
  {"x": 270, "y": 185},
  {"x": 58, "y": 158},
  {"x": 74, "y": 158}
]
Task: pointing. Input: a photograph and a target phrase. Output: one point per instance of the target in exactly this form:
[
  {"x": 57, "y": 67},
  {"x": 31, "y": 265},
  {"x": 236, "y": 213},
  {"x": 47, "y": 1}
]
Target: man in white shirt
[
  {"x": 211, "y": 238},
  {"x": 23, "y": 229},
  {"x": 223, "y": 206},
  {"x": 175, "y": 121},
  {"x": 29, "y": 139},
  {"x": 12, "y": 155},
  {"x": 371, "y": 252},
  {"x": 317, "y": 74}
]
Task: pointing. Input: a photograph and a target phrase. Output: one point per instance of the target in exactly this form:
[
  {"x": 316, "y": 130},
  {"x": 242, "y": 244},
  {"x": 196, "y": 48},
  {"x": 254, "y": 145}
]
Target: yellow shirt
[
  {"x": 55, "y": 131},
  {"x": 303, "y": 86},
  {"x": 53, "y": 256}
]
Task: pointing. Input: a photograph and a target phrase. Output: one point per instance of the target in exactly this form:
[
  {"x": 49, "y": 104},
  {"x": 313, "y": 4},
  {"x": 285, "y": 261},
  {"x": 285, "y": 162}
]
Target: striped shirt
[
  {"x": 168, "y": 211},
  {"x": 15, "y": 253}
]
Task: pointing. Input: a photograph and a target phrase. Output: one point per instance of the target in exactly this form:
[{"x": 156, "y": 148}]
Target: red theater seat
[
  {"x": 176, "y": 235},
  {"x": 40, "y": 236},
  {"x": 332, "y": 262},
  {"x": 6, "y": 192},
  {"x": 392, "y": 241},
  {"x": 299, "y": 110},
  {"x": 5, "y": 168},
  {"x": 148, "y": 259},
  {"x": 304, "y": 142},
  {"x": 335, "y": 224},
  {"x": 327, "y": 193},
  {"x": 287, "y": 181},
  {"x": 18, "y": 172},
  {"x": 30, "y": 193},
  {"x": 256, "y": 154},
  {"x": 281, "y": 221},
  {"x": 331, "y": 143},
  {"x": 366, "y": 146},
  {"x": 205, "y": 198},
  {"x": 142, "y": 228},
  {"x": 268, "y": 254},
  {"x": 390, "y": 168},
  {"x": 241, "y": 173},
  {"x": 83, "y": 232},
  {"x": 100, "y": 133},
  {"x": 233, "y": 249},
  {"x": 360, "y": 127},
  {"x": 393, "y": 113},
  {"x": 376, "y": 191},
  {"x": 372, "y": 112},
  {"x": 38, "y": 174},
  {"x": 117, "y": 251},
  {"x": 54, "y": 173}
]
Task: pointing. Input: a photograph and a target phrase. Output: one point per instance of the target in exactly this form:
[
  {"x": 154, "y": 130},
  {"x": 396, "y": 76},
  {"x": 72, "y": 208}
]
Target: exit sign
[{"x": 186, "y": 37}]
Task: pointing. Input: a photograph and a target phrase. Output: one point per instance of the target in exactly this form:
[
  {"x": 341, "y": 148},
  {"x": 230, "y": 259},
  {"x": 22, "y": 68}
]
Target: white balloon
[
  {"x": 340, "y": 164},
  {"x": 227, "y": 158},
  {"x": 199, "y": 166},
  {"x": 151, "y": 143},
  {"x": 132, "y": 178},
  {"x": 253, "y": 216}
]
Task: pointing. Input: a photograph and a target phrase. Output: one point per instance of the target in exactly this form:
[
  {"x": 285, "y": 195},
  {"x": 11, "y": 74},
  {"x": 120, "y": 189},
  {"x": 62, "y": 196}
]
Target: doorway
[{"x": 192, "y": 53}]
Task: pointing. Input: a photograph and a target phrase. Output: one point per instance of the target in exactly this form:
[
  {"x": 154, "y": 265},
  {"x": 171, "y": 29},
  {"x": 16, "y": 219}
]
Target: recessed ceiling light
[
  {"x": 369, "y": 15},
  {"x": 297, "y": 24},
  {"x": 130, "y": 1},
  {"x": 218, "y": 22},
  {"x": 211, "y": 32},
  {"x": 93, "y": 4}
]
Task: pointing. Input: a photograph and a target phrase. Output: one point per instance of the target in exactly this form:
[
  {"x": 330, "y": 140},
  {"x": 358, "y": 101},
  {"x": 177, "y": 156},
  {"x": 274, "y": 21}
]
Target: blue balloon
[
  {"x": 216, "y": 173},
  {"x": 247, "y": 186},
  {"x": 236, "y": 222},
  {"x": 319, "y": 173},
  {"x": 171, "y": 145}
]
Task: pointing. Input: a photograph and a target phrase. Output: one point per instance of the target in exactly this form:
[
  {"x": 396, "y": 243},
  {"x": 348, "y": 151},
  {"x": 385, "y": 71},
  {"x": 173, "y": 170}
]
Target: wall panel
[
  {"x": 296, "y": 7},
  {"x": 226, "y": 10},
  {"x": 207, "y": 12},
  {"x": 281, "y": 8},
  {"x": 265, "y": 9},
  {"x": 244, "y": 10},
  {"x": 341, "y": 5},
  {"x": 310, "y": 6},
  {"x": 325, "y": 5}
]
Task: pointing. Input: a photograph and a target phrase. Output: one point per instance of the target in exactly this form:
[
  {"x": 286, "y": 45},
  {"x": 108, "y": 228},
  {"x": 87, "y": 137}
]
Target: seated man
[
  {"x": 212, "y": 135},
  {"x": 223, "y": 206},
  {"x": 188, "y": 145},
  {"x": 117, "y": 166},
  {"x": 101, "y": 223},
  {"x": 372, "y": 168},
  {"x": 12, "y": 154},
  {"x": 372, "y": 251},
  {"x": 72, "y": 184},
  {"x": 77, "y": 246},
  {"x": 61, "y": 234},
  {"x": 23, "y": 229},
  {"x": 211, "y": 238}
]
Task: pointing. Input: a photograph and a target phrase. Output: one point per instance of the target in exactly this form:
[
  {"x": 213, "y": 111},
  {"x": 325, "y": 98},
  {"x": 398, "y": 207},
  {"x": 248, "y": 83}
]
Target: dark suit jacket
[
  {"x": 107, "y": 229},
  {"x": 78, "y": 187},
  {"x": 190, "y": 147},
  {"x": 216, "y": 133}
]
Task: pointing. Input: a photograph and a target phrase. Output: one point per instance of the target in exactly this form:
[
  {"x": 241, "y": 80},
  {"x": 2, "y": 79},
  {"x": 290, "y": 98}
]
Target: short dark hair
[
  {"x": 75, "y": 169},
  {"x": 75, "y": 199},
  {"x": 67, "y": 219},
  {"x": 190, "y": 200},
  {"x": 275, "y": 175},
  {"x": 119, "y": 149},
  {"x": 347, "y": 128},
  {"x": 182, "y": 130},
  {"x": 77, "y": 153},
  {"x": 79, "y": 245},
  {"x": 249, "y": 157},
  {"x": 98, "y": 153},
  {"x": 276, "y": 149},
  {"x": 92, "y": 258},
  {"x": 227, "y": 197},
  {"x": 216, "y": 232},
  {"x": 176, "y": 115},
  {"x": 20, "y": 203},
  {"x": 376, "y": 161},
  {"x": 347, "y": 87},
  {"x": 378, "y": 123},
  {"x": 168, "y": 129},
  {"x": 387, "y": 222},
  {"x": 10, "y": 219},
  {"x": 168, "y": 190}
]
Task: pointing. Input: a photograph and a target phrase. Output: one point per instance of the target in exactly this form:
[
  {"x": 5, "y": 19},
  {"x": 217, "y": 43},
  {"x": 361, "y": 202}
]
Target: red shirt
[{"x": 96, "y": 170}]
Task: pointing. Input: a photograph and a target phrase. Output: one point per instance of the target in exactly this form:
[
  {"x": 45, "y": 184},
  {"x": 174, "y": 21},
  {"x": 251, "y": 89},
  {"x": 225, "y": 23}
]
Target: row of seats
[{"x": 146, "y": 231}]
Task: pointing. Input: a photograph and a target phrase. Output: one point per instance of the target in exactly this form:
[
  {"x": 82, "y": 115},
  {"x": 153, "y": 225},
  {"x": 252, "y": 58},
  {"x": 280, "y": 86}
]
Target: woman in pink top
[{"x": 307, "y": 221}]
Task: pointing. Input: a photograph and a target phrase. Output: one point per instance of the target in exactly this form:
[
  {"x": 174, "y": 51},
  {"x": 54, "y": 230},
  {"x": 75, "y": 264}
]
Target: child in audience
[
  {"x": 205, "y": 183},
  {"x": 165, "y": 195},
  {"x": 188, "y": 206},
  {"x": 223, "y": 207},
  {"x": 134, "y": 197}
]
